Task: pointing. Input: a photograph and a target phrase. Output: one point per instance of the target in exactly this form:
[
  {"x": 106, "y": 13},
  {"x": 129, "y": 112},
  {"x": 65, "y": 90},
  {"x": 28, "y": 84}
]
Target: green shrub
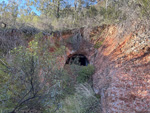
[
  {"x": 83, "y": 101},
  {"x": 98, "y": 44},
  {"x": 92, "y": 11},
  {"x": 85, "y": 73},
  {"x": 26, "y": 86},
  {"x": 111, "y": 15},
  {"x": 145, "y": 7},
  {"x": 5, "y": 93}
]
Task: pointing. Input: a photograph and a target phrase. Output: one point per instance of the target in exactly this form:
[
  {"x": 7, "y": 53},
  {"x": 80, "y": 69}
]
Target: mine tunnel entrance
[{"x": 78, "y": 59}]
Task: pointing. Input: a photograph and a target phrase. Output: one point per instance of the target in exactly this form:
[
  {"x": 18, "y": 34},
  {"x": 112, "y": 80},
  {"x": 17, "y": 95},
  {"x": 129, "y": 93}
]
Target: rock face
[
  {"x": 75, "y": 43},
  {"x": 122, "y": 61},
  {"x": 122, "y": 76}
]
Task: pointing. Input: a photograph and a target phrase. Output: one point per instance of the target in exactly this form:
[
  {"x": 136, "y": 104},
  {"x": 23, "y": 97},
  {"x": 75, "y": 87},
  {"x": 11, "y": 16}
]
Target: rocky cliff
[
  {"x": 122, "y": 75},
  {"x": 122, "y": 61}
]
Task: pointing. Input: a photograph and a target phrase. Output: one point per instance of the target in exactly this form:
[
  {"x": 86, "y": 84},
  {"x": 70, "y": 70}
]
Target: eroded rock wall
[
  {"x": 122, "y": 75},
  {"x": 122, "y": 60}
]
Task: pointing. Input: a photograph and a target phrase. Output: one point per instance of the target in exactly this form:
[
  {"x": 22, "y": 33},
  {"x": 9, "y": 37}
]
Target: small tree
[{"x": 33, "y": 77}]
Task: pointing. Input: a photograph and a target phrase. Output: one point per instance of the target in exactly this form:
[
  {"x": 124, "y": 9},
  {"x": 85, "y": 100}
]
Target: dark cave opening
[{"x": 78, "y": 59}]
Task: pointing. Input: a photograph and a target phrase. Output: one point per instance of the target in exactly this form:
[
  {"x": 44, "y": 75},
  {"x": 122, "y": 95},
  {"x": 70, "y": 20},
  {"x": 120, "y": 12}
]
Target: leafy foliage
[
  {"x": 85, "y": 73},
  {"x": 31, "y": 77},
  {"x": 34, "y": 77},
  {"x": 61, "y": 14},
  {"x": 145, "y": 7},
  {"x": 33, "y": 80},
  {"x": 98, "y": 44},
  {"x": 83, "y": 101}
]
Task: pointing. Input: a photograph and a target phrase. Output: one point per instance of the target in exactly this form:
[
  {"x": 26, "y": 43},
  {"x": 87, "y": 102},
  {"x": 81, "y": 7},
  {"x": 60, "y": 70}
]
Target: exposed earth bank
[
  {"x": 122, "y": 61},
  {"x": 122, "y": 75}
]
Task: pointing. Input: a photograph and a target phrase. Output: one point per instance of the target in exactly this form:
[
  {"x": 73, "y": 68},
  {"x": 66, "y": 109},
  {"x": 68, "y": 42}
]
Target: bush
[
  {"x": 4, "y": 93},
  {"x": 145, "y": 7},
  {"x": 83, "y": 101},
  {"x": 111, "y": 15},
  {"x": 98, "y": 44},
  {"x": 85, "y": 73},
  {"x": 91, "y": 12},
  {"x": 35, "y": 79}
]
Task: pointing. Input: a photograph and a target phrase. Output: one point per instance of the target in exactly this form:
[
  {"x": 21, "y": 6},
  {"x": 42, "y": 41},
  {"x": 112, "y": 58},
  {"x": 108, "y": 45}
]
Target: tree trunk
[{"x": 58, "y": 9}]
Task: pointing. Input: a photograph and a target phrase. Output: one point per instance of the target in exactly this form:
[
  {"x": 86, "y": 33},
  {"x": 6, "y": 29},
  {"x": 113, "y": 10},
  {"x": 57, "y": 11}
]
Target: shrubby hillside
[{"x": 74, "y": 56}]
